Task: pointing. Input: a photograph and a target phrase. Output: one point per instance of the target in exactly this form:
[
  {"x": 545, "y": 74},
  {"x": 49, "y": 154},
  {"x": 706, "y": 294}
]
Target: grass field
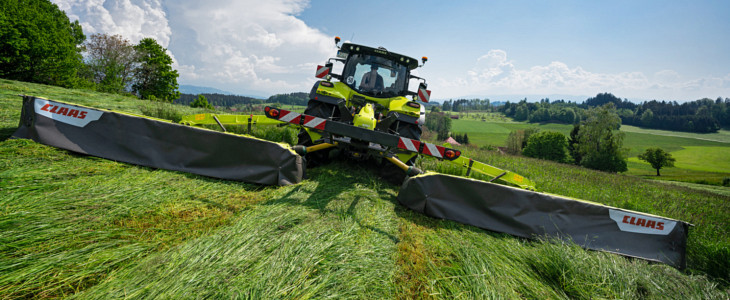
[
  {"x": 88, "y": 228},
  {"x": 701, "y": 158}
]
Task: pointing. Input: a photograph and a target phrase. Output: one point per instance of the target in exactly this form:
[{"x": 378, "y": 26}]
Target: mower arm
[
  {"x": 391, "y": 141},
  {"x": 210, "y": 119}
]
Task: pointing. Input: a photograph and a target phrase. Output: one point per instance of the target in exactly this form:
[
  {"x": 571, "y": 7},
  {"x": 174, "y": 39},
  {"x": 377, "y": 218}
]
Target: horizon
[{"x": 492, "y": 99}]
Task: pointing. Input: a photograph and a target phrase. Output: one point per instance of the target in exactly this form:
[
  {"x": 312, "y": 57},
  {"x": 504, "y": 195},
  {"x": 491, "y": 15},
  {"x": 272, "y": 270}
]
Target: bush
[
  {"x": 162, "y": 110},
  {"x": 201, "y": 102},
  {"x": 550, "y": 145}
]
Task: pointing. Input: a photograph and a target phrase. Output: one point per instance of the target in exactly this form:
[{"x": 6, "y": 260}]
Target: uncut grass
[
  {"x": 332, "y": 236},
  {"x": 67, "y": 220}
]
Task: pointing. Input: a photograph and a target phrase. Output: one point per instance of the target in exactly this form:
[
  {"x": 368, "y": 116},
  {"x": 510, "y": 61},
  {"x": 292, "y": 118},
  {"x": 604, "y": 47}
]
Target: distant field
[
  {"x": 721, "y": 136},
  {"x": 700, "y": 157}
]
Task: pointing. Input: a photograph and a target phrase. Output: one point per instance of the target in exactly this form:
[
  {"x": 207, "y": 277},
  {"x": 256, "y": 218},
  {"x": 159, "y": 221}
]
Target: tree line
[
  {"x": 467, "y": 105},
  {"x": 219, "y": 100},
  {"x": 290, "y": 99},
  {"x": 39, "y": 44},
  {"x": 703, "y": 116}
]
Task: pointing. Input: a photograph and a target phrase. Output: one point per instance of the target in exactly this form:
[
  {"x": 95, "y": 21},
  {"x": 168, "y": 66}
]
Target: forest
[{"x": 701, "y": 116}]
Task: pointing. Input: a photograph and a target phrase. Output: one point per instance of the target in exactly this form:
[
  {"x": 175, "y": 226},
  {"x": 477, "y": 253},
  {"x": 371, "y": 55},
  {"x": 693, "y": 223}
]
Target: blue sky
[{"x": 666, "y": 50}]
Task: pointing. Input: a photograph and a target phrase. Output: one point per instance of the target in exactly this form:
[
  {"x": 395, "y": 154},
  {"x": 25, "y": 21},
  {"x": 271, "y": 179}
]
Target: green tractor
[{"x": 372, "y": 93}]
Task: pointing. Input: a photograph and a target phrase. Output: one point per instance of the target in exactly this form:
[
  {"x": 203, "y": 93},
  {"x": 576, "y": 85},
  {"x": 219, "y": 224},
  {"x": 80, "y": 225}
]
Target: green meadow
[
  {"x": 701, "y": 158},
  {"x": 74, "y": 226}
]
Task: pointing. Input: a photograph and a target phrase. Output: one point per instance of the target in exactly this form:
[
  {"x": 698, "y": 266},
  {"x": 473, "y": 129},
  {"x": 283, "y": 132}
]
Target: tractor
[{"x": 372, "y": 93}]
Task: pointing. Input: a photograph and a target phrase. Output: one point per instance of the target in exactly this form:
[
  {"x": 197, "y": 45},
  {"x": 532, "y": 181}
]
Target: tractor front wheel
[
  {"x": 320, "y": 110},
  {"x": 390, "y": 172}
]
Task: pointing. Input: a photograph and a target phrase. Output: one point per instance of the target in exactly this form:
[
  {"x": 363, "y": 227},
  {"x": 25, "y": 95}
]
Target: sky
[{"x": 501, "y": 50}]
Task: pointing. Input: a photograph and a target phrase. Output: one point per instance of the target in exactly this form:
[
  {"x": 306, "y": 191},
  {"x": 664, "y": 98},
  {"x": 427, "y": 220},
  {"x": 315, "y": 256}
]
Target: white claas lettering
[{"x": 54, "y": 109}]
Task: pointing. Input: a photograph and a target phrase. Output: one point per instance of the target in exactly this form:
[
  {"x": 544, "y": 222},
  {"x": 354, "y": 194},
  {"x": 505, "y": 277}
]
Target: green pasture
[{"x": 700, "y": 157}]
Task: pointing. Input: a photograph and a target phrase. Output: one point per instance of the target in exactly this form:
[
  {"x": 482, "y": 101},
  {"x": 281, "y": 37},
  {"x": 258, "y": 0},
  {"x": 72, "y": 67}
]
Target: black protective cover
[
  {"x": 530, "y": 214},
  {"x": 157, "y": 143}
]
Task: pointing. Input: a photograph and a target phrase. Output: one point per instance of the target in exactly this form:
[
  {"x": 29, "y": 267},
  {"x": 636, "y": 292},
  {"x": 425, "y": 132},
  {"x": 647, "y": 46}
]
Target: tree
[
  {"x": 154, "y": 76},
  {"x": 110, "y": 62},
  {"x": 201, "y": 102},
  {"x": 600, "y": 148},
  {"x": 550, "y": 145},
  {"x": 38, "y": 43},
  {"x": 573, "y": 144},
  {"x": 521, "y": 113},
  {"x": 517, "y": 139},
  {"x": 647, "y": 117},
  {"x": 658, "y": 158}
]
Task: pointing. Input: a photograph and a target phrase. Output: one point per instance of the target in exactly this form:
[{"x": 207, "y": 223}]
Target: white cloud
[
  {"x": 238, "y": 46},
  {"x": 132, "y": 19},
  {"x": 248, "y": 45},
  {"x": 494, "y": 74}
]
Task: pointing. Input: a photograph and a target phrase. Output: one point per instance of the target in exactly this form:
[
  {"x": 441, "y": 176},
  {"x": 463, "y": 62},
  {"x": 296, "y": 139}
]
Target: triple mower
[
  {"x": 363, "y": 113},
  {"x": 366, "y": 115}
]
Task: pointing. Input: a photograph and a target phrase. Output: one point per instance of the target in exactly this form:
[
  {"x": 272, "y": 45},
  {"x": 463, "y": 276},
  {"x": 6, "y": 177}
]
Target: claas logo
[
  {"x": 636, "y": 221},
  {"x": 59, "y": 110}
]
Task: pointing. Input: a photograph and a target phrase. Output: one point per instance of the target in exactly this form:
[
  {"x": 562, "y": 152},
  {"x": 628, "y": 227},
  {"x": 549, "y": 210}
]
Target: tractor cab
[{"x": 375, "y": 72}]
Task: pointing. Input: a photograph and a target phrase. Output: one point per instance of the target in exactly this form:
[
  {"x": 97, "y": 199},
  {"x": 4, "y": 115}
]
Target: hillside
[
  {"x": 73, "y": 225},
  {"x": 702, "y": 157}
]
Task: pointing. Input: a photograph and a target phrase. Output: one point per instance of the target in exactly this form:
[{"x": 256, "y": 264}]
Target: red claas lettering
[
  {"x": 74, "y": 113},
  {"x": 643, "y": 222}
]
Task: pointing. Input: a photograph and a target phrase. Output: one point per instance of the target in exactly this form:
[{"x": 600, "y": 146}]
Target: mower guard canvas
[
  {"x": 529, "y": 214},
  {"x": 157, "y": 143}
]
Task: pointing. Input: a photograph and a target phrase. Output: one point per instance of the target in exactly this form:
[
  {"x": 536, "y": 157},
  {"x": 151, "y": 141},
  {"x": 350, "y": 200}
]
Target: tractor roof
[{"x": 408, "y": 61}]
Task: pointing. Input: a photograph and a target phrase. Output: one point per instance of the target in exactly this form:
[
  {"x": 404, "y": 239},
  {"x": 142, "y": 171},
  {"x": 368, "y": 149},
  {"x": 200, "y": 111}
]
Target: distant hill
[
  {"x": 196, "y": 90},
  {"x": 292, "y": 98}
]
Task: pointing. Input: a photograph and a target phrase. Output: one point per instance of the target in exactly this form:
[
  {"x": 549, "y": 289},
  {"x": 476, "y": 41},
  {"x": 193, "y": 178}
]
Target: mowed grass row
[
  {"x": 123, "y": 230},
  {"x": 332, "y": 236}
]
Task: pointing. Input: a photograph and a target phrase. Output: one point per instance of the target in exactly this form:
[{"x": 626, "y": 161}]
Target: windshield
[{"x": 375, "y": 76}]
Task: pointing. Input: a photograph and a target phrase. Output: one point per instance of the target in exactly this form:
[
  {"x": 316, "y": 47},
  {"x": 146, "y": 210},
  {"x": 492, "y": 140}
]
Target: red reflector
[
  {"x": 326, "y": 83},
  {"x": 414, "y": 104},
  {"x": 266, "y": 109},
  {"x": 274, "y": 113}
]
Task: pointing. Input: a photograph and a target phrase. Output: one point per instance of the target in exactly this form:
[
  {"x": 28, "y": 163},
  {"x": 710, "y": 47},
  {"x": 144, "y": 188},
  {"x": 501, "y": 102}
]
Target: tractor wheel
[
  {"x": 320, "y": 110},
  {"x": 390, "y": 172}
]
